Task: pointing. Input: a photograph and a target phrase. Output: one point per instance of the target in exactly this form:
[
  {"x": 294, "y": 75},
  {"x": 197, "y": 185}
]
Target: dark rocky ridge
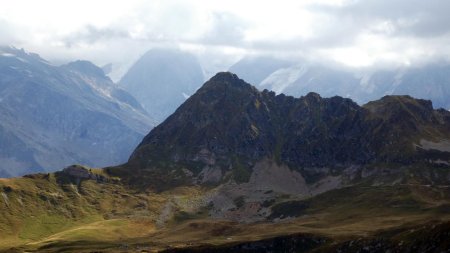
[{"x": 229, "y": 125}]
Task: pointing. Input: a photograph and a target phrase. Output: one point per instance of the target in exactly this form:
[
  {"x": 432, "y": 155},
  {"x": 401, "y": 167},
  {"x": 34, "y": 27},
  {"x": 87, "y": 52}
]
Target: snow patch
[
  {"x": 13, "y": 56},
  {"x": 21, "y": 59},
  {"x": 365, "y": 81},
  {"x": 8, "y": 55},
  {"x": 279, "y": 80},
  {"x": 398, "y": 79},
  {"x": 186, "y": 96}
]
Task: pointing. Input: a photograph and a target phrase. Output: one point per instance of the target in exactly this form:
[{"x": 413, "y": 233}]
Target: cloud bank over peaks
[{"x": 354, "y": 33}]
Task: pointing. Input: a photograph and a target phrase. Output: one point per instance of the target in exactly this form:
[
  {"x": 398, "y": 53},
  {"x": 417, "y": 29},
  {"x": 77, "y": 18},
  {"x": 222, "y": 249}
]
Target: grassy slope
[
  {"x": 40, "y": 214},
  {"x": 38, "y": 208}
]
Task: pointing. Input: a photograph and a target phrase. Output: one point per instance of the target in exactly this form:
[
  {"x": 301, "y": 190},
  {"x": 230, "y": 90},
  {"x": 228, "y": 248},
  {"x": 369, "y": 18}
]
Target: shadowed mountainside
[{"x": 228, "y": 126}]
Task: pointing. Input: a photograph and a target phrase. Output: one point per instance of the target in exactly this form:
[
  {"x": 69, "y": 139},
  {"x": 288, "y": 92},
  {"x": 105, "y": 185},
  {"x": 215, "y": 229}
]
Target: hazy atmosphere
[
  {"x": 348, "y": 32},
  {"x": 194, "y": 126}
]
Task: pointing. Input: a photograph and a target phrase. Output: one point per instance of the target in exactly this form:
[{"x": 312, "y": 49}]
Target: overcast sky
[{"x": 354, "y": 33}]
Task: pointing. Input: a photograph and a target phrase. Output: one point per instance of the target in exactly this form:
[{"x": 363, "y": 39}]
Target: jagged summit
[
  {"x": 226, "y": 78},
  {"x": 229, "y": 80},
  {"x": 406, "y": 111},
  {"x": 228, "y": 126},
  {"x": 404, "y": 99},
  {"x": 21, "y": 55}
]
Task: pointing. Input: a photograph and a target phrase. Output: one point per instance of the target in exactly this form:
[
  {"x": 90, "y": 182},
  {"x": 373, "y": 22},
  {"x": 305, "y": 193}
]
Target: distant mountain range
[
  {"x": 430, "y": 81},
  {"x": 162, "y": 79},
  {"x": 54, "y": 116}
]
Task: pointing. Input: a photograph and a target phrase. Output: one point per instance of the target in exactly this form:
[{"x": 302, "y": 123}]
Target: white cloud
[{"x": 353, "y": 32}]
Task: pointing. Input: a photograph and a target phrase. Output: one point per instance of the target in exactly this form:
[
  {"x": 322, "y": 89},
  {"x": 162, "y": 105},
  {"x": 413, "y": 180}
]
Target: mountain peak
[
  {"x": 24, "y": 56},
  {"x": 312, "y": 96},
  {"x": 224, "y": 77},
  {"x": 406, "y": 99},
  {"x": 228, "y": 79},
  {"x": 393, "y": 104}
]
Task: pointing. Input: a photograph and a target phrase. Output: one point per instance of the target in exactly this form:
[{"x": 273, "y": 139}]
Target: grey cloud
[
  {"x": 227, "y": 29},
  {"x": 413, "y": 24},
  {"x": 341, "y": 25},
  {"x": 408, "y": 17},
  {"x": 420, "y": 26},
  {"x": 91, "y": 34},
  {"x": 10, "y": 35}
]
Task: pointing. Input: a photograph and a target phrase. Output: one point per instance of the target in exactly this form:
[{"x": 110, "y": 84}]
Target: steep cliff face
[{"x": 228, "y": 126}]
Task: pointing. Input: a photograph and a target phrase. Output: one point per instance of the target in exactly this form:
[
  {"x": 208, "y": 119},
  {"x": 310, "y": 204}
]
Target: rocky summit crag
[{"x": 228, "y": 126}]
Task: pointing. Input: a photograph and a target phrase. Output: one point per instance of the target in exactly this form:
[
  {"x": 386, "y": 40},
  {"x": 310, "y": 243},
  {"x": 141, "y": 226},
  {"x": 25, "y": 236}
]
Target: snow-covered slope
[
  {"x": 255, "y": 69},
  {"x": 162, "y": 79},
  {"x": 53, "y": 116}
]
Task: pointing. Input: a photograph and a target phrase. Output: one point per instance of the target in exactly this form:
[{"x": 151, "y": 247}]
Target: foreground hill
[
  {"x": 236, "y": 169},
  {"x": 54, "y": 116}
]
